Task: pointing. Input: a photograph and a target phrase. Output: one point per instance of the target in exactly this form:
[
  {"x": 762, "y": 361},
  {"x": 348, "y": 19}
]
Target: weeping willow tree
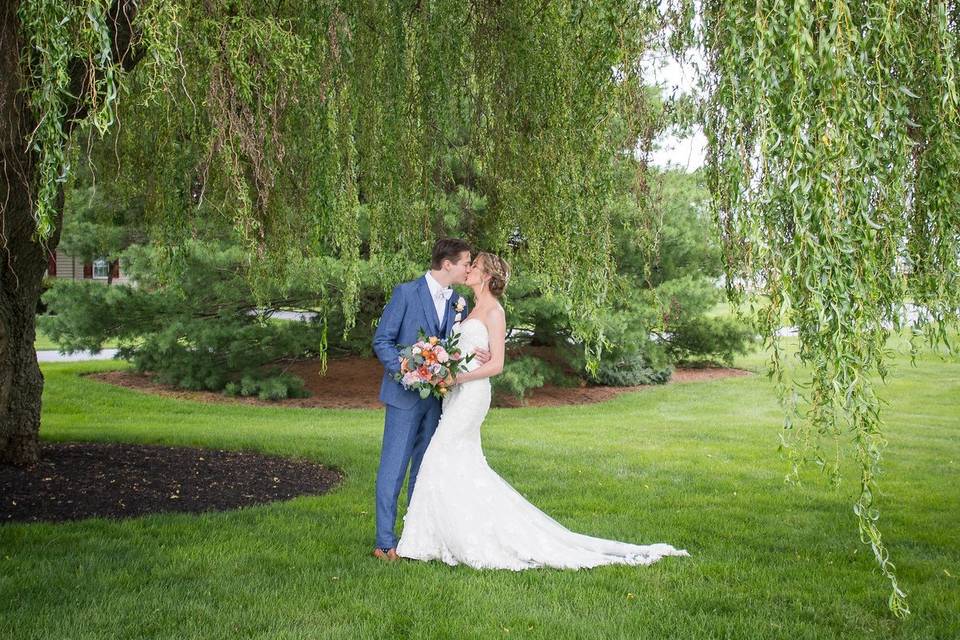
[
  {"x": 833, "y": 132},
  {"x": 834, "y": 164},
  {"x": 310, "y": 126}
]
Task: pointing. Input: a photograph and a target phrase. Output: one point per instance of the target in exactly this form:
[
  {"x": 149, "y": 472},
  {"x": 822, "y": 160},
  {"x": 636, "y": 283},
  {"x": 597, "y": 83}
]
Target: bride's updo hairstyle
[{"x": 497, "y": 268}]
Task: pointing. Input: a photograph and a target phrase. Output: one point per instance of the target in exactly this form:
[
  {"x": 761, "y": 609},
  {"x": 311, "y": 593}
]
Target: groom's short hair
[{"x": 447, "y": 249}]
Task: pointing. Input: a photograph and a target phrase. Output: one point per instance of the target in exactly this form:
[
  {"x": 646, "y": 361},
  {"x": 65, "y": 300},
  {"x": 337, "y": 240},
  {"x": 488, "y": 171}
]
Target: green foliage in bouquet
[{"x": 421, "y": 367}]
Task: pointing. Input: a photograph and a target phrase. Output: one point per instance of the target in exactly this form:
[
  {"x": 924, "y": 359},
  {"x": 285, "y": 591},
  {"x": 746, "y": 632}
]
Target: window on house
[{"x": 101, "y": 269}]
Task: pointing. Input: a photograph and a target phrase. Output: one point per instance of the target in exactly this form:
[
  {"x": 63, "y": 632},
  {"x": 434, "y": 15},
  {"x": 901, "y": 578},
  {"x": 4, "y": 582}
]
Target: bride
[{"x": 461, "y": 510}]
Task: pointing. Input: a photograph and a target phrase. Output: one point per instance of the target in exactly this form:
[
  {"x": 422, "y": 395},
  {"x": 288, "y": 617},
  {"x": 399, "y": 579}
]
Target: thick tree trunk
[
  {"x": 21, "y": 383},
  {"x": 24, "y": 261}
]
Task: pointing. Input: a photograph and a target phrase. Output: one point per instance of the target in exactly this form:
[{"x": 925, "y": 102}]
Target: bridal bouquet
[{"x": 430, "y": 365}]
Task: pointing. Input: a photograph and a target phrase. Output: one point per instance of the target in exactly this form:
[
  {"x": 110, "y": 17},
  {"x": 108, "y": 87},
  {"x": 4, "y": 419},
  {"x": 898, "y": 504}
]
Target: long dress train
[{"x": 463, "y": 512}]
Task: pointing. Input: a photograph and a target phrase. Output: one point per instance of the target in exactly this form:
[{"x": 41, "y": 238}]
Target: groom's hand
[{"x": 482, "y": 355}]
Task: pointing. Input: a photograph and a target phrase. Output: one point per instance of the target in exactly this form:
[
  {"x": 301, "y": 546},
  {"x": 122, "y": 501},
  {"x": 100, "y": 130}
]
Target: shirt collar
[{"x": 433, "y": 285}]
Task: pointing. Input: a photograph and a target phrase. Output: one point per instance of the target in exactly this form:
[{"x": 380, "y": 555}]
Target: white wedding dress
[{"x": 462, "y": 512}]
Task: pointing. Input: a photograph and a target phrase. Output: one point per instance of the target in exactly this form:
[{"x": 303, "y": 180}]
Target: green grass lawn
[
  {"x": 693, "y": 465},
  {"x": 44, "y": 343}
]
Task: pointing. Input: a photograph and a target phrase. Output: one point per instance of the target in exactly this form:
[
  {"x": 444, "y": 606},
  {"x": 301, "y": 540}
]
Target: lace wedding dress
[{"x": 463, "y": 512}]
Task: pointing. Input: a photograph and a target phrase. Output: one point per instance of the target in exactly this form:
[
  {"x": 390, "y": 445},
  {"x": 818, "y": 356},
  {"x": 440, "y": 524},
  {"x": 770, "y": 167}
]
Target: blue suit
[{"x": 410, "y": 421}]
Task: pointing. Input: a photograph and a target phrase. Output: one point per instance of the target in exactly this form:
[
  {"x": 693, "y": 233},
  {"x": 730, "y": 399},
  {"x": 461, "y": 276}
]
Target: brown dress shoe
[{"x": 389, "y": 555}]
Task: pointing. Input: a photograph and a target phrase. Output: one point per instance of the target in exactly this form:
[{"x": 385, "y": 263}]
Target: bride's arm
[{"x": 496, "y": 323}]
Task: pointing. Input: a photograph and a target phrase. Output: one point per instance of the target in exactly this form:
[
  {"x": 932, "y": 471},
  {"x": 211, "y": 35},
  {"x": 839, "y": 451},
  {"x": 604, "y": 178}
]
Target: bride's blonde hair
[{"x": 497, "y": 268}]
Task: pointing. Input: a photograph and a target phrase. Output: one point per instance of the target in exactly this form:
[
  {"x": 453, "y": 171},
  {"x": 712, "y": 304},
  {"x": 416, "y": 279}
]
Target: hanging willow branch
[
  {"x": 834, "y": 162},
  {"x": 76, "y": 53},
  {"x": 313, "y": 126},
  {"x": 833, "y": 129}
]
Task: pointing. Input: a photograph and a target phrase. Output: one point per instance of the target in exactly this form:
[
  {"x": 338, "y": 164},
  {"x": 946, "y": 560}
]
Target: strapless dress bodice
[{"x": 473, "y": 334}]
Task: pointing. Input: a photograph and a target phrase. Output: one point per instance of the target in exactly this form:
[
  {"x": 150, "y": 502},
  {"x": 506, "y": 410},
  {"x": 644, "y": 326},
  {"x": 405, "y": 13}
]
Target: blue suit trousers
[{"x": 406, "y": 434}]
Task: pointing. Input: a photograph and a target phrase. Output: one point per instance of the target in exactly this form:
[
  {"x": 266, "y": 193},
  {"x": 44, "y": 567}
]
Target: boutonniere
[{"x": 460, "y": 305}]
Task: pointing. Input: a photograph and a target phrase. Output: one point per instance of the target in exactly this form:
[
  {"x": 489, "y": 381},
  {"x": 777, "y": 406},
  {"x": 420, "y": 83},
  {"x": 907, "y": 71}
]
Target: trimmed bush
[
  {"x": 631, "y": 370},
  {"x": 272, "y": 386},
  {"x": 702, "y": 339}
]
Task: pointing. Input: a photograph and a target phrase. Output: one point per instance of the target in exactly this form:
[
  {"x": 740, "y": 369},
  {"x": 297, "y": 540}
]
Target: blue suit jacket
[{"x": 409, "y": 310}]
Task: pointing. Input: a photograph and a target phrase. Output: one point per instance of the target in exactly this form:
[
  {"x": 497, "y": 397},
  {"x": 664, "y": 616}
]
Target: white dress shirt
[{"x": 439, "y": 301}]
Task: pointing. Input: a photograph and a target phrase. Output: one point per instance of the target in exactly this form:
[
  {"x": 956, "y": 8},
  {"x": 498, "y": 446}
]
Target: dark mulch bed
[{"x": 84, "y": 480}]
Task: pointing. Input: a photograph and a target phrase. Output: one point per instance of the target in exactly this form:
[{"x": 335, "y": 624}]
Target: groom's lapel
[
  {"x": 429, "y": 310},
  {"x": 448, "y": 318}
]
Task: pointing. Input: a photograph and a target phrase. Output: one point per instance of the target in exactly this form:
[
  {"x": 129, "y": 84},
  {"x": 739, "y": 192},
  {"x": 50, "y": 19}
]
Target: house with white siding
[{"x": 62, "y": 265}]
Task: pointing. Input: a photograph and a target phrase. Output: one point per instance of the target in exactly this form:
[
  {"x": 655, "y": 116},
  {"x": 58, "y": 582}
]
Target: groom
[{"x": 426, "y": 304}]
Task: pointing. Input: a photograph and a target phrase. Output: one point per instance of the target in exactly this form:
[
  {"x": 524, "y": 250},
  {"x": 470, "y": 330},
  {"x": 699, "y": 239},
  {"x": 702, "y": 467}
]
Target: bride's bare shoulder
[{"x": 495, "y": 315}]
